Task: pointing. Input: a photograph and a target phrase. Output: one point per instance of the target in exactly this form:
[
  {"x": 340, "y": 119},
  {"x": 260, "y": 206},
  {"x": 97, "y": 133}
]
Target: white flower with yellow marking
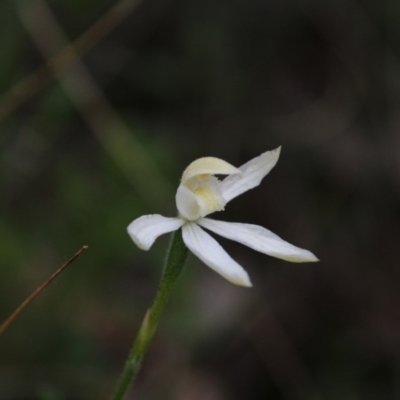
[{"x": 201, "y": 193}]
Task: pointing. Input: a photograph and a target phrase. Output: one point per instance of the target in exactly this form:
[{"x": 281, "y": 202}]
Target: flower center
[
  {"x": 199, "y": 193},
  {"x": 211, "y": 199}
]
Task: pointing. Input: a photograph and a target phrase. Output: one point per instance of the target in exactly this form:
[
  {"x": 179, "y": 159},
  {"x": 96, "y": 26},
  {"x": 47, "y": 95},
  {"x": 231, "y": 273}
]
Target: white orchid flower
[{"x": 201, "y": 193}]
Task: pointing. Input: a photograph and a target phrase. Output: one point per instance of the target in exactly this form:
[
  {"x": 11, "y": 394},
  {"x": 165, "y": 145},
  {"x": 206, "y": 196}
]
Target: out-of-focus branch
[
  {"x": 65, "y": 58},
  {"x": 112, "y": 132}
]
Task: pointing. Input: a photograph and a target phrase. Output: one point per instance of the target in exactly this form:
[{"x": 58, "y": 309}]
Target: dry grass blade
[{"x": 39, "y": 290}]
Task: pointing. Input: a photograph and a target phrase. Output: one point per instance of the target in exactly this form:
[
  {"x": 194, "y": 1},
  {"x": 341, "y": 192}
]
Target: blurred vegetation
[{"x": 96, "y": 134}]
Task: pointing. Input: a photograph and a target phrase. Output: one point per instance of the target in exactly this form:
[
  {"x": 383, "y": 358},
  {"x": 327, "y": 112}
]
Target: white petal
[
  {"x": 145, "y": 230},
  {"x": 188, "y": 204},
  {"x": 208, "y": 166},
  {"x": 259, "y": 239},
  {"x": 212, "y": 254},
  {"x": 251, "y": 175}
]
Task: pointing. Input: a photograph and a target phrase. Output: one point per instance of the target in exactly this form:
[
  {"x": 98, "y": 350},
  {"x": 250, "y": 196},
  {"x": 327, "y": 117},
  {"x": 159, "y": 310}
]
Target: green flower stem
[{"x": 176, "y": 258}]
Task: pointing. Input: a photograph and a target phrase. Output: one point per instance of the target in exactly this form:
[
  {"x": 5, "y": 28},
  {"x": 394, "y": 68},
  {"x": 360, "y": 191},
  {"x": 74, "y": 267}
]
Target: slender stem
[{"x": 175, "y": 261}]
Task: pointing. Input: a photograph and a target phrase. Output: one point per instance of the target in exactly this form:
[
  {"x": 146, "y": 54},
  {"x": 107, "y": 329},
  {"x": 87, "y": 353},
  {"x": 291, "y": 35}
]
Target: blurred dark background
[{"x": 104, "y": 103}]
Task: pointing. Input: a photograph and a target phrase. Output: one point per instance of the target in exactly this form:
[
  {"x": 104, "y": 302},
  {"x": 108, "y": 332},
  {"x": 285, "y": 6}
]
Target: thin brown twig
[
  {"x": 39, "y": 290},
  {"x": 65, "y": 58}
]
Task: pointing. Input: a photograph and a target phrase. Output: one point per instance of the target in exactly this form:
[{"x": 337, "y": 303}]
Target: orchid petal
[
  {"x": 259, "y": 239},
  {"x": 208, "y": 166},
  {"x": 188, "y": 204},
  {"x": 145, "y": 230},
  {"x": 251, "y": 175},
  {"x": 212, "y": 254}
]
